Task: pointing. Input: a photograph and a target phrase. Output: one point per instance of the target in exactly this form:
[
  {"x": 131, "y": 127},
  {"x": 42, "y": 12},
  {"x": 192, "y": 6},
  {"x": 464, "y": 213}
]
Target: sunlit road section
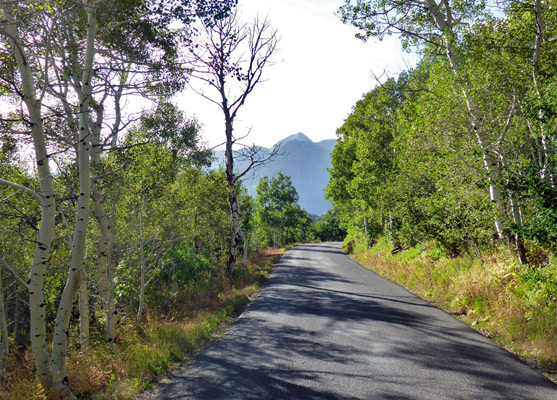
[{"x": 326, "y": 328}]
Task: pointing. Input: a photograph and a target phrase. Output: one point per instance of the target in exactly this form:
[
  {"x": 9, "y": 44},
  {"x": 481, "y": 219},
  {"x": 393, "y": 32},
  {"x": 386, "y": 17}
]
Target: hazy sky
[{"x": 321, "y": 70}]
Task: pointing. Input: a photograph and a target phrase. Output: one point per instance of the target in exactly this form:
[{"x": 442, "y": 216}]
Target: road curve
[{"x": 326, "y": 328}]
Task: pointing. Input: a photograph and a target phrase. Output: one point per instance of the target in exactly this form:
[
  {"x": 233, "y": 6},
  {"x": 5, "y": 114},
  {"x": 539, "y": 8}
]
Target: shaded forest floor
[
  {"x": 514, "y": 305},
  {"x": 150, "y": 348}
]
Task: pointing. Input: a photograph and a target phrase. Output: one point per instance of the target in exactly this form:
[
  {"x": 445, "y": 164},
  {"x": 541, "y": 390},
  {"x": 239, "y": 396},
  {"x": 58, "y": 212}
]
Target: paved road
[{"x": 326, "y": 328}]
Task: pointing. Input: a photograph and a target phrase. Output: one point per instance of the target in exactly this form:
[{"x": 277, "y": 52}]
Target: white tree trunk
[
  {"x": 104, "y": 265},
  {"x": 235, "y": 224},
  {"x": 61, "y": 327},
  {"x": 246, "y": 244},
  {"x": 545, "y": 139},
  {"x": 47, "y": 202}
]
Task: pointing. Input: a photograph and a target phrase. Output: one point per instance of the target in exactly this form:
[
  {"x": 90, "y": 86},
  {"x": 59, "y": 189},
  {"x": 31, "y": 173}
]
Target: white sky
[{"x": 321, "y": 71}]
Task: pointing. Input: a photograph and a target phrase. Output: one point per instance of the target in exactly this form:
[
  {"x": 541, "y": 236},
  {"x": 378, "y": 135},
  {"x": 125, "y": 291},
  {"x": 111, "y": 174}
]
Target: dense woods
[
  {"x": 460, "y": 149},
  {"x": 112, "y": 221}
]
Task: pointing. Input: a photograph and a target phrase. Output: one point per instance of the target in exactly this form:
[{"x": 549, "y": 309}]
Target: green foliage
[
  {"x": 167, "y": 125},
  {"x": 376, "y": 18},
  {"x": 176, "y": 213},
  {"x": 280, "y": 218},
  {"x": 327, "y": 227},
  {"x": 538, "y": 288},
  {"x": 410, "y": 160}
]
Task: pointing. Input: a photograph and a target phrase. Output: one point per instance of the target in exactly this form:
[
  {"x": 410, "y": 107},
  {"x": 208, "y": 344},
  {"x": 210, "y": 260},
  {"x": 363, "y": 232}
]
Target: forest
[
  {"x": 453, "y": 163},
  {"x": 121, "y": 251}
]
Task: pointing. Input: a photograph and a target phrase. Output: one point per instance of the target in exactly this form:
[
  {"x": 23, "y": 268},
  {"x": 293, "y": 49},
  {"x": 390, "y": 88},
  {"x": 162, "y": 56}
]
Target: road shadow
[
  {"x": 314, "y": 334},
  {"x": 254, "y": 362}
]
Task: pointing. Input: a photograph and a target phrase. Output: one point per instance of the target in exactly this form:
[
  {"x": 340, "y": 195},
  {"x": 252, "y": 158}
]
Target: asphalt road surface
[{"x": 326, "y": 328}]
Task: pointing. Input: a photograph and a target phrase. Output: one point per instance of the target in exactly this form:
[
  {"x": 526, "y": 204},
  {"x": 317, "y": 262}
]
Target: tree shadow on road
[{"x": 312, "y": 334}]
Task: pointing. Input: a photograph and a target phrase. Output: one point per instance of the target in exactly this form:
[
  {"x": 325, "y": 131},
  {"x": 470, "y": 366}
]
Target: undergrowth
[
  {"x": 149, "y": 348},
  {"x": 514, "y": 305}
]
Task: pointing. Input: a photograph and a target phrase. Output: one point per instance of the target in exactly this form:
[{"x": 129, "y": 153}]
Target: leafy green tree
[
  {"x": 53, "y": 70},
  {"x": 441, "y": 25},
  {"x": 277, "y": 207},
  {"x": 364, "y": 163},
  {"x": 474, "y": 111},
  {"x": 328, "y": 227}
]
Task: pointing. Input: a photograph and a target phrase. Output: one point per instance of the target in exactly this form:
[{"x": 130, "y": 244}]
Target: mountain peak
[{"x": 298, "y": 136}]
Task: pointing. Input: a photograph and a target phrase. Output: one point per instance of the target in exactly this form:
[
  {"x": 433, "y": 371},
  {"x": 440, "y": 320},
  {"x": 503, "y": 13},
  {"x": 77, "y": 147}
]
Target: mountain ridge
[{"x": 305, "y": 161}]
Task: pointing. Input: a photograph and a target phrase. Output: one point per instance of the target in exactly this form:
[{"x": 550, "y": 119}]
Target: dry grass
[
  {"x": 87, "y": 374},
  {"x": 151, "y": 348},
  {"x": 19, "y": 380}
]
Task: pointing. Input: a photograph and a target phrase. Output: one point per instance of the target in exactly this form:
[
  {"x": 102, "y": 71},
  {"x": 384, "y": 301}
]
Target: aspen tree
[
  {"x": 32, "y": 98},
  {"x": 230, "y": 57}
]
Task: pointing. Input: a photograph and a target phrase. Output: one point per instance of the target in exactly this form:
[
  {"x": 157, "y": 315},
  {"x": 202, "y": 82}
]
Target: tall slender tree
[{"x": 230, "y": 56}]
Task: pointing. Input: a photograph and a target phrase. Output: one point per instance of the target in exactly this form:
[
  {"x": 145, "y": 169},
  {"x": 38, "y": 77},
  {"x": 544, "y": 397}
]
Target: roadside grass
[
  {"x": 150, "y": 348},
  {"x": 514, "y": 305}
]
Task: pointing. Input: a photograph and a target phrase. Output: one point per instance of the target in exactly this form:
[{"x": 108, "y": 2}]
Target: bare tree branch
[{"x": 18, "y": 278}]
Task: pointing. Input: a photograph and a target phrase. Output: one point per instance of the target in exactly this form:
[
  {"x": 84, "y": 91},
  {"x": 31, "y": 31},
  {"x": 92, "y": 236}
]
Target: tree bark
[
  {"x": 84, "y": 315},
  {"x": 236, "y": 223},
  {"x": 366, "y": 230},
  {"x": 45, "y": 233},
  {"x": 246, "y": 244},
  {"x": 61, "y": 327},
  {"x": 104, "y": 265},
  {"x": 545, "y": 139}
]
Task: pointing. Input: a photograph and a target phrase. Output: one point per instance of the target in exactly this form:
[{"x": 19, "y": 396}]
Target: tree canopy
[{"x": 460, "y": 140}]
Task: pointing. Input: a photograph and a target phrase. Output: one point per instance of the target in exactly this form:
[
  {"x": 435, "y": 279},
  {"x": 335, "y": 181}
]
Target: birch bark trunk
[
  {"x": 246, "y": 244},
  {"x": 545, "y": 139},
  {"x": 61, "y": 327},
  {"x": 104, "y": 266},
  {"x": 103, "y": 248},
  {"x": 445, "y": 24},
  {"x": 46, "y": 194},
  {"x": 366, "y": 230},
  {"x": 83, "y": 313},
  {"x": 235, "y": 224}
]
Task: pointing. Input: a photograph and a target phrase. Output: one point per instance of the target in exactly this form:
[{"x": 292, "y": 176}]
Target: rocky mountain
[{"x": 305, "y": 161}]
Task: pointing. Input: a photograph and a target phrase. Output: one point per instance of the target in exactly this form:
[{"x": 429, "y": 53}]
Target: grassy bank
[
  {"x": 149, "y": 348},
  {"x": 514, "y": 305}
]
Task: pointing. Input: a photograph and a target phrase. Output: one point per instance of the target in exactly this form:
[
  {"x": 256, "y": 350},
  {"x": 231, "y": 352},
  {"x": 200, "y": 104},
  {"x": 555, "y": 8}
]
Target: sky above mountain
[{"x": 320, "y": 71}]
